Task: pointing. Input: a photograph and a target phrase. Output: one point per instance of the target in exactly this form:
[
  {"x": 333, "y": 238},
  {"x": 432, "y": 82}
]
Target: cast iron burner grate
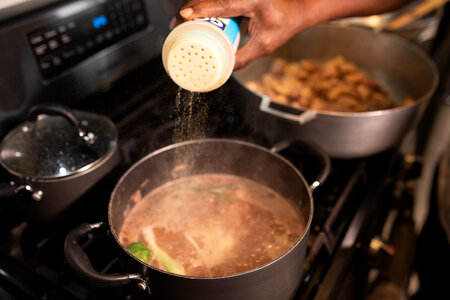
[{"x": 32, "y": 265}]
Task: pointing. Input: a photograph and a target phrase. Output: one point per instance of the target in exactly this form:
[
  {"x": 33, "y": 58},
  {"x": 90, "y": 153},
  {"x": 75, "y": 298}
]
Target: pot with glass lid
[{"x": 55, "y": 157}]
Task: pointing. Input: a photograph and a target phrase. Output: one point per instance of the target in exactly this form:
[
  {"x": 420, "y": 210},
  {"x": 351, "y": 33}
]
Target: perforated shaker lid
[{"x": 198, "y": 61}]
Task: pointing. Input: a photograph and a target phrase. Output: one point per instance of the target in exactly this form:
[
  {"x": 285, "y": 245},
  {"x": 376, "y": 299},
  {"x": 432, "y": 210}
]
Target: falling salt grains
[
  {"x": 191, "y": 111},
  {"x": 191, "y": 116}
]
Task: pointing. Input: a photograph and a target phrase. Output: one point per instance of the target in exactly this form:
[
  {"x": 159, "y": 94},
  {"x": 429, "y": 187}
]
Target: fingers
[
  {"x": 178, "y": 19},
  {"x": 220, "y": 8},
  {"x": 260, "y": 43},
  {"x": 247, "y": 54}
]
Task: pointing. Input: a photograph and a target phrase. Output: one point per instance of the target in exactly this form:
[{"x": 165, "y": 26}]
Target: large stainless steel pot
[
  {"x": 404, "y": 69},
  {"x": 275, "y": 280}
]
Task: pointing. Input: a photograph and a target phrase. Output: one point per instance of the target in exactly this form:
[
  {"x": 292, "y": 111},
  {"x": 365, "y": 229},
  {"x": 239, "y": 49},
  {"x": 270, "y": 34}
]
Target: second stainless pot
[{"x": 402, "y": 68}]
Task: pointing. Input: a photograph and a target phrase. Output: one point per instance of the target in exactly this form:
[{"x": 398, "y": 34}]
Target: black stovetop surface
[{"x": 32, "y": 264}]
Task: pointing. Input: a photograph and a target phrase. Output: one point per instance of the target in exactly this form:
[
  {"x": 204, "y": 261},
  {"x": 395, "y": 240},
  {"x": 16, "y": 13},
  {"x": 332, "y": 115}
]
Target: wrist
[{"x": 314, "y": 12}]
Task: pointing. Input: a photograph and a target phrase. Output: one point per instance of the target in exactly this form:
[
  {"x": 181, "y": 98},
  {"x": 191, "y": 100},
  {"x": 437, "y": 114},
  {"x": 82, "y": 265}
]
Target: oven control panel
[{"x": 71, "y": 40}]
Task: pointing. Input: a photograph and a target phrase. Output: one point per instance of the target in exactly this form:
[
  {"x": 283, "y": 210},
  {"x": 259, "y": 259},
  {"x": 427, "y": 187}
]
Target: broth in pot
[{"x": 211, "y": 225}]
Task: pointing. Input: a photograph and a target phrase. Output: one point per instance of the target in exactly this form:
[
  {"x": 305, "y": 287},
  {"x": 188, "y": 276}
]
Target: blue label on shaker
[{"x": 229, "y": 26}]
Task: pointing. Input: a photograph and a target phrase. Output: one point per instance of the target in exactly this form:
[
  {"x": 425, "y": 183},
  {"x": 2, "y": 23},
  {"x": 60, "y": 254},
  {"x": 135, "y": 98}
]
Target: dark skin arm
[{"x": 273, "y": 22}]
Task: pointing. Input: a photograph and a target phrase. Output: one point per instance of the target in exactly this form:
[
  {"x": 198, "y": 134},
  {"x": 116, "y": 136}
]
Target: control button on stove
[
  {"x": 71, "y": 25},
  {"x": 57, "y": 61},
  {"x": 66, "y": 39},
  {"x": 99, "y": 38},
  {"x": 90, "y": 44},
  {"x": 80, "y": 50},
  {"x": 109, "y": 34},
  {"x": 50, "y": 34},
  {"x": 36, "y": 39},
  {"x": 62, "y": 29},
  {"x": 53, "y": 44},
  {"x": 45, "y": 64},
  {"x": 41, "y": 49},
  {"x": 68, "y": 54}
]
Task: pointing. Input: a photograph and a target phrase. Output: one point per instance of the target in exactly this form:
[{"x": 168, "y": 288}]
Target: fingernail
[
  {"x": 172, "y": 23},
  {"x": 186, "y": 13}
]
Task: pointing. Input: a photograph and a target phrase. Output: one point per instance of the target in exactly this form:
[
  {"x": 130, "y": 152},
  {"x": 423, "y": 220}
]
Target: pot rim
[
  {"x": 304, "y": 235},
  {"x": 395, "y": 39}
]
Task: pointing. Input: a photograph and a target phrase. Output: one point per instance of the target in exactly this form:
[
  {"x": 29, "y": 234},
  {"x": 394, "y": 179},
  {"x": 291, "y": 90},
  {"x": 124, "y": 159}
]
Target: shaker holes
[{"x": 188, "y": 70}]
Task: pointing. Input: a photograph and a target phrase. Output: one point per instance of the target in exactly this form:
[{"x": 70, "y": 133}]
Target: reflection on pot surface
[{"x": 211, "y": 225}]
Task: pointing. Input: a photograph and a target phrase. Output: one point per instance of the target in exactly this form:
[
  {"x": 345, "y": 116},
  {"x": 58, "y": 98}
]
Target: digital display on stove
[{"x": 100, "y": 21}]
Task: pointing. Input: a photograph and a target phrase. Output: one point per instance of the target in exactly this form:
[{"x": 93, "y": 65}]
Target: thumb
[{"x": 252, "y": 50}]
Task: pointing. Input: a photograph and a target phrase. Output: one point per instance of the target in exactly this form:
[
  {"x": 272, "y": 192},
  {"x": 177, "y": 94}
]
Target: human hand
[{"x": 271, "y": 22}]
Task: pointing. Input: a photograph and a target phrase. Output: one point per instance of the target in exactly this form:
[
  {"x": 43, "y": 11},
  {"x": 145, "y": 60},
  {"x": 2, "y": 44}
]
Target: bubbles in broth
[{"x": 212, "y": 225}]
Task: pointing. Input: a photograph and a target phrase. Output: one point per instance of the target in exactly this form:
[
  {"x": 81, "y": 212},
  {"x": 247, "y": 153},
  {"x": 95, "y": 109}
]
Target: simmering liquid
[{"x": 212, "y": 225}]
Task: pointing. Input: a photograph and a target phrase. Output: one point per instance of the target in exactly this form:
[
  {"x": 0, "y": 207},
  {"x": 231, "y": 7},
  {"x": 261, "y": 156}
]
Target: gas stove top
[{"x": 348, "y": 208}]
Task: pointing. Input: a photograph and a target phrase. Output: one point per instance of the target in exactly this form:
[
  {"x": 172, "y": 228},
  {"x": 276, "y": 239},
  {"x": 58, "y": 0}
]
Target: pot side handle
[
  {"x": 302, "y": 118},
  {"x": 79, "y": 261},
  {"x": 316, "y": 150}
]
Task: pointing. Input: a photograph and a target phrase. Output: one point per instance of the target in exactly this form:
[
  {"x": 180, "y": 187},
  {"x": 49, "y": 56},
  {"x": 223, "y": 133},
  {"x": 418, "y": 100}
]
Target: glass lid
[{"x": 52, "y": 147}]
